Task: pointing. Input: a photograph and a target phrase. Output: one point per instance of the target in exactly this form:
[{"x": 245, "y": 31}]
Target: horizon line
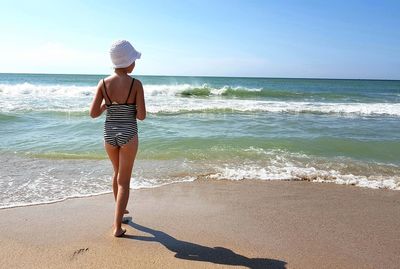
[{"x": 206, "y": 76}]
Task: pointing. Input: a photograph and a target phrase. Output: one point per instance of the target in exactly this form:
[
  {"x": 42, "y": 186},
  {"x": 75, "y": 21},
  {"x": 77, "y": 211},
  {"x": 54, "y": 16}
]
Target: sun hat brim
[{"x": 123, "y": 54}]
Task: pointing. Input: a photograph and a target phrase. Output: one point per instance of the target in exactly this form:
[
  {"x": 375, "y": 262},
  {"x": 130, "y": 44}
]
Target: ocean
[{"x": 215, "y": 128}]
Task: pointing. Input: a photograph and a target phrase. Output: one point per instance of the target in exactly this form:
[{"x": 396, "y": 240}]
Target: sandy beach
[
  {"x": 252, "y": 134},
  {"x": 207, "y": 224}
]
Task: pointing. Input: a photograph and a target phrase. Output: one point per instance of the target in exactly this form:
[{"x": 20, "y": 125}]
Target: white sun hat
[{"x": 123, "y": 54}]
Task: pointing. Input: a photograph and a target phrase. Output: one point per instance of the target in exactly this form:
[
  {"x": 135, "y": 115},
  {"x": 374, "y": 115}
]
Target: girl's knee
[
  {"x": 124, "y": 182},
  {"x": 115, "y": 180},
  {"x": 123, "y": 188}
]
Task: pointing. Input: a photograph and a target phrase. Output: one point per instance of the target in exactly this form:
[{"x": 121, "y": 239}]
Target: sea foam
[
  {"x": 293, "y": 173},
  {"x": 167, "y": 99}
]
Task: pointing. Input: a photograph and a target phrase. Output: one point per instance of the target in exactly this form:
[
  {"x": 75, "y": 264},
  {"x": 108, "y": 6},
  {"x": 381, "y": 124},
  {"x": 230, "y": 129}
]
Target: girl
[{"x": 124, "y": 102}]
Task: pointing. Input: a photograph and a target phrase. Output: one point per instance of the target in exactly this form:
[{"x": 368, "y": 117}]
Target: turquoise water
[{"x": 343, "y": 131}]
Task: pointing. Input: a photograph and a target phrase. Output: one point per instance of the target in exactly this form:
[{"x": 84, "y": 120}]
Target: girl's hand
[{"x": 103, "y": 108}]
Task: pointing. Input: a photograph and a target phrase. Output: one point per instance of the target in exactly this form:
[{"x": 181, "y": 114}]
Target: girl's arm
[
  {"x": 140, "y": 104},
  {"x": 97, "y": 108}
]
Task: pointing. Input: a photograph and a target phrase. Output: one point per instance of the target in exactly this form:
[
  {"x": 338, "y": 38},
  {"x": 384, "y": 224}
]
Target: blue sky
[{"x": 334, "y": 39}]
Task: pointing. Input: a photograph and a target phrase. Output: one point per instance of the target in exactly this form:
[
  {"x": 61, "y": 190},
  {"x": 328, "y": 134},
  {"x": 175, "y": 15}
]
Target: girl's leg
[
  {"x": 127, "y": 154},
  {"x": 113, "y": 154}
]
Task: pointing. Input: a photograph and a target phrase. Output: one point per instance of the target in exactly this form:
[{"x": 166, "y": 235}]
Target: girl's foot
[
  {"x": 119, "y": 233},
  {"x": 126, "y": 212}
]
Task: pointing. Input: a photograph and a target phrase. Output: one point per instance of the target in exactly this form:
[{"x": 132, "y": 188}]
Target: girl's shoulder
[
  {"x": 105, "y": 80},
  {"x": 108, "y": 78},
  {"x": 137, "y": 82}
]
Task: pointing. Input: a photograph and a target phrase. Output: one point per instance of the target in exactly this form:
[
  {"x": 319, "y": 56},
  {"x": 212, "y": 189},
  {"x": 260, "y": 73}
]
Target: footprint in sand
[{"x": 79, "y": 252}]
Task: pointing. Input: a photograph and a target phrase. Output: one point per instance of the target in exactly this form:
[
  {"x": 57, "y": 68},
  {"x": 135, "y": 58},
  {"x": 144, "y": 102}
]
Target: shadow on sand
[{"x": 195, "y": 252}]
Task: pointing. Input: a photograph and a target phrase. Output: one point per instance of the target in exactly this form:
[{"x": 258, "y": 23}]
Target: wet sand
[{"x": 208, "y": 224}]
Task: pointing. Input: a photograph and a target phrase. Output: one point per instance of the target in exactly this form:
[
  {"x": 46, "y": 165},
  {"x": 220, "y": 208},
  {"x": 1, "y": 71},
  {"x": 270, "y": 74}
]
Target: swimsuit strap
[
  {"x": 130, "y": 90},
  {"x": 105, "y": 90}
]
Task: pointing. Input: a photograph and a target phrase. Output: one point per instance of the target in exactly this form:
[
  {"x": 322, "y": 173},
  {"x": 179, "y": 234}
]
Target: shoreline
[
  {"x": 195, "y": 180},
  {"x": 201, "y": 224},
  {"x": 348, "y": 185}
]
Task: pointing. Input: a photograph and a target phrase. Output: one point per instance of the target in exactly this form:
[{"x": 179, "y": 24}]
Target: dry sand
[{"x": 208, "y": 224}]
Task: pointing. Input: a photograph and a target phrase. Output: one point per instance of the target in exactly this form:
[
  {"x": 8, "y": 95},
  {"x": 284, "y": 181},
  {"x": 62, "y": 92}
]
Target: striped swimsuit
[{"x": 120, "y": 125}]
